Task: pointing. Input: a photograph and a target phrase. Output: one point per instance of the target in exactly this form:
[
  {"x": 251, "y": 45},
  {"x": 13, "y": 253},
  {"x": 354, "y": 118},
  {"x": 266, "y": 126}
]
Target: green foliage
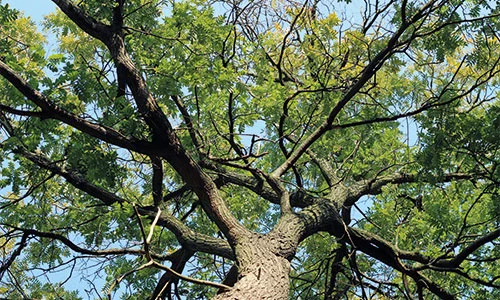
[{"x": 254, "y": 89}]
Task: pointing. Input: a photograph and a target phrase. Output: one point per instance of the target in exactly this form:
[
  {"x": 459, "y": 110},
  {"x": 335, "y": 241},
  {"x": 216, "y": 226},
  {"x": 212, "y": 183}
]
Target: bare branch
[
  {"x": 157, "y": 180},
  {"x": 193, "y": 240},
  {"x": 374, "y": 186},
  {"x": 81, "y": 250},
  {"x": 191, "y": 279},
  {"x": 5, "y": 266},
  {"x": 52, "y": 111},
  {"x": 84, "y": 21},
  {"x": 462, "y": 255},
  {"x": 366, "y": 74},
  {"x": 163, "y": 133}
]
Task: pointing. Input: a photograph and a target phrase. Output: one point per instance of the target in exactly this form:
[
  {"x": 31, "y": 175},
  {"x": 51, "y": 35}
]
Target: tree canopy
[{"x": 241, "y": 149}]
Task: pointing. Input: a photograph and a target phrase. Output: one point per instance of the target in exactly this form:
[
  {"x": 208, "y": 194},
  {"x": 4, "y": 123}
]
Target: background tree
[{"x": 251, "y": 149}]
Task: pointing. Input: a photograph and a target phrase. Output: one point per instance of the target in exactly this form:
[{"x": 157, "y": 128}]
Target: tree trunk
[{"x": 262, "y": 272}]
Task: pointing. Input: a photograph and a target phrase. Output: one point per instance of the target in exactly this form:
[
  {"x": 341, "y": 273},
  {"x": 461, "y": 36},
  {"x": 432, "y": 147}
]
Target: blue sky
[
  {"x": 37, "y": 9},
  {"x": 33, "y": 8}
]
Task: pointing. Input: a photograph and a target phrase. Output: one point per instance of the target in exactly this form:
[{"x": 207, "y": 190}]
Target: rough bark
[
  {"x": 263, "y": 261},
  {"x": 262, "y": 272}
]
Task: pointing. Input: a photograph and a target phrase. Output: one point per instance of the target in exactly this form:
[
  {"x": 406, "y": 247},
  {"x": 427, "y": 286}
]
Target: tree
[{"x": 251, "y": 150}]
